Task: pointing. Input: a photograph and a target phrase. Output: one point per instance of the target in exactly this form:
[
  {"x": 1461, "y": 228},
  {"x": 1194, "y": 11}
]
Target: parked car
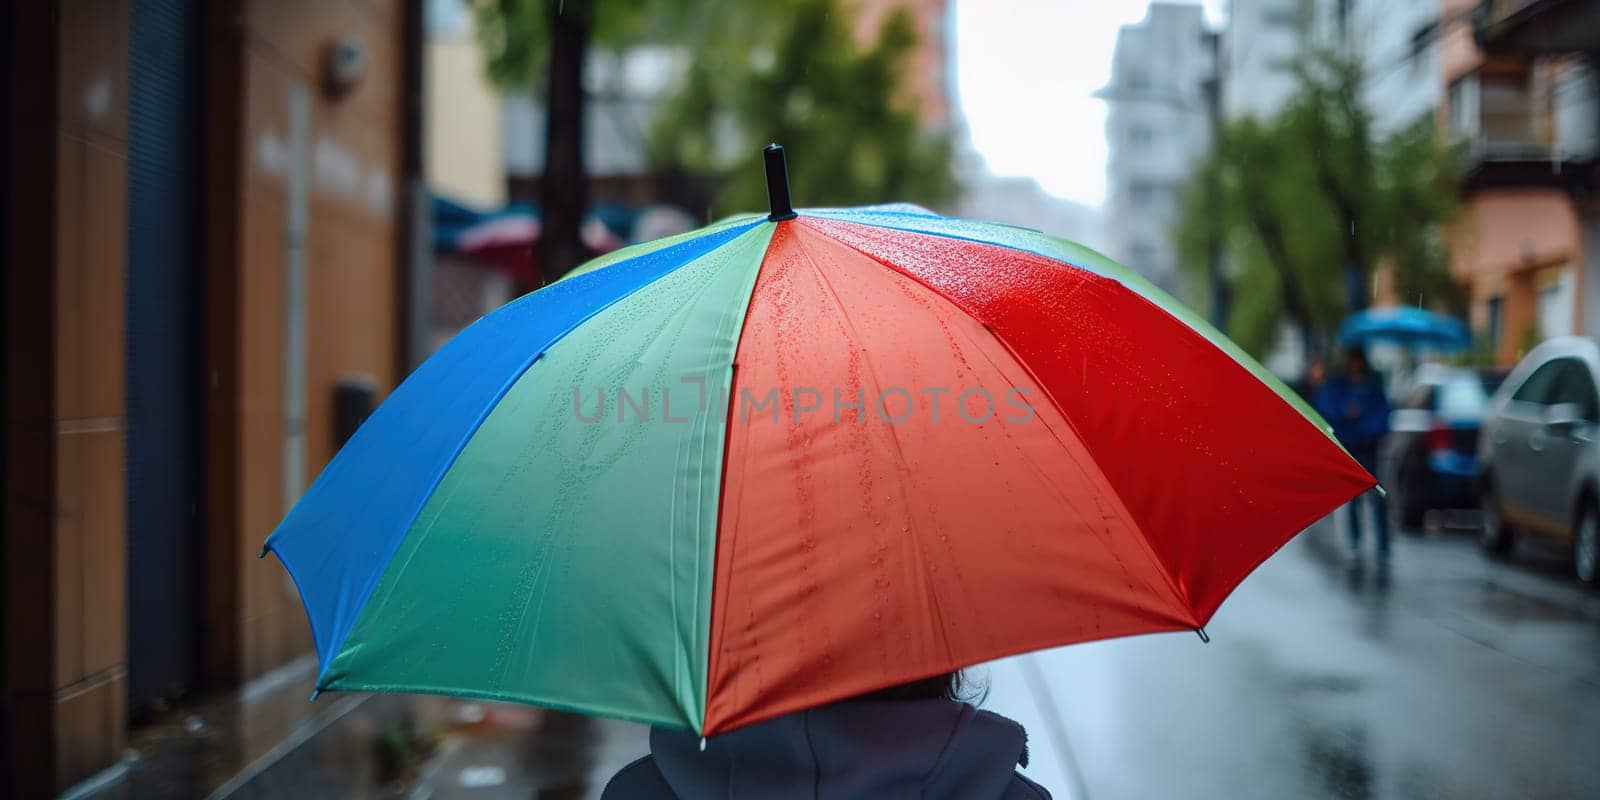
[
  {"x": 1429, "y": 459},
  {"x": 1539, "y": 459}
]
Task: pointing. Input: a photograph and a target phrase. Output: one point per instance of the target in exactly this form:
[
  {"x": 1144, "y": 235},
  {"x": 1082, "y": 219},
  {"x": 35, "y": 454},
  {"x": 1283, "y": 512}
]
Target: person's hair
[
  {"x": 948, "y": 686},
  {"x": 1358, "y": 354}
]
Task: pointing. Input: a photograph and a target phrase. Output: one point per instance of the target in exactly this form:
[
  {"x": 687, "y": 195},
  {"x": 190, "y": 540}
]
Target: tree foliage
[
  {"x": 516, "y": 34},
  {"x": 787, "y": 71},
  {"x": 1308, "y": 206},
  {"x": 851, "y": 130}
]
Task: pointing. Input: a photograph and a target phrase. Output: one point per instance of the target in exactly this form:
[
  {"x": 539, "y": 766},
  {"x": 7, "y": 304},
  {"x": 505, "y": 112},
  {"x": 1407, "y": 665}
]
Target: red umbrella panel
[{"x": 1125, "y": 480}]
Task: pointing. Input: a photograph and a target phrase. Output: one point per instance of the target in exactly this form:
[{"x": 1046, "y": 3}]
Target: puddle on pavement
[
  {"x": 1337, "y": 757},
  {"x": 1325, "y": 684},
  {"x": 1509, "y": 606}
]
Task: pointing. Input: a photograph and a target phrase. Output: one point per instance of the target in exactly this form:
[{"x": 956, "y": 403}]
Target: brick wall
[{"x": 65, "y": 533}]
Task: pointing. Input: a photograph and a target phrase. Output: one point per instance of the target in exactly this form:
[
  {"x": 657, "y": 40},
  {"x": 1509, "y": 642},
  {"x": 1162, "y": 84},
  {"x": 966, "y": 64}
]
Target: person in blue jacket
[
  {"x": 914, "y": 740},
  {"x": 1355, "y": 404}
]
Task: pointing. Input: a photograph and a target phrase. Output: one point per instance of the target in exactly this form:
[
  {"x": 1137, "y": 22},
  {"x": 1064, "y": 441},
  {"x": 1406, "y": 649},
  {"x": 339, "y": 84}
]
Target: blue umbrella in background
[{"x": 1407, "y": 326}]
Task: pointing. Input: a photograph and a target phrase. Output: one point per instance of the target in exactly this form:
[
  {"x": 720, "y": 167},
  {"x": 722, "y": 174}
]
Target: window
[
  {"x": 1574, "y": 385},
  {"x": 1537, "y": 386},
  {"x": 1576, "y": 109},
  {"x": 1286, "y": 17},
  {"x": 1143, "y": 256},
  {"x": 1142, "y": 194},
  {"x": 1505, "y": 106},
  {"x": 1496, "y": 310},
  {"x": 1556, "y": 303},
  {"x": 1421, "y": 40},
  {"x": 1463, "y": 99},
  {"x": 1140, "y": 136},
  {"x": 1461, "y": 399},
  {"x": 1422, "y": 397}
]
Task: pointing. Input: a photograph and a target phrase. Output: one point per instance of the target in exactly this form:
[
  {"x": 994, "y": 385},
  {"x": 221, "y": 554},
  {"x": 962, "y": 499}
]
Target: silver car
[{"x": 1539, "y": 462}]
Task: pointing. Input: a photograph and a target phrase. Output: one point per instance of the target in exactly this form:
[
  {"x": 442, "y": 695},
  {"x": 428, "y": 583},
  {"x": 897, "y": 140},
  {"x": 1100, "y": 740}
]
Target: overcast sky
[{"x": 1025, "y": 73}]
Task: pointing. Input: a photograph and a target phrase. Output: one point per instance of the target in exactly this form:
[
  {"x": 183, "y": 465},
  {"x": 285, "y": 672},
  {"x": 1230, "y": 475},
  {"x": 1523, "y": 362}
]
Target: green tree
[
  {"x": 781, "y": 70},
  {"x": 1257, "y": 207},
  {"x": 542, "y": 45},
  {"x": 852, "y": 131},
  {"x": 1419, "y": 196},
  {"x": 1307, "y": 205},
  {"x": 1327, "y": 118}
]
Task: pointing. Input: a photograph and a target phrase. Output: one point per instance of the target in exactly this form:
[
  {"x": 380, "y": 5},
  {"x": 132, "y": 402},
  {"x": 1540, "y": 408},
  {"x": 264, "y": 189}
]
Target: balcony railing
[{"x": 1538, "y": 26}]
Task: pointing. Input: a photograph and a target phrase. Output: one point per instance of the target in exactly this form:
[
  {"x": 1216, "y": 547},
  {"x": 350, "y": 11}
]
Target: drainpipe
[
  {"x": 1587, "y": 206},
  {"x": 1220, "y": 295}
]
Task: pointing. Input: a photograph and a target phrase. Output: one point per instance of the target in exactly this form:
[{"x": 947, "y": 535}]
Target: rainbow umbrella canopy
[{"x": 788, "y": 459}]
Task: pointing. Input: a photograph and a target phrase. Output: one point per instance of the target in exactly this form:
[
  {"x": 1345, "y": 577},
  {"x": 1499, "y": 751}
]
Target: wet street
[
  {"x": 1446, "y": 676},
  {"x": 1449, "y": 676}
]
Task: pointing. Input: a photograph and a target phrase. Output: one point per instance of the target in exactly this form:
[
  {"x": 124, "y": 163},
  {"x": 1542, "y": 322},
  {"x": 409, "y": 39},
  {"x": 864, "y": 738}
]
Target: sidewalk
[
  {"x": 497, "y": 751},
  {"x": 1331, "y": 681},
  {"x": 265, "y": 740},
  {"x": 270, "y": 741}
]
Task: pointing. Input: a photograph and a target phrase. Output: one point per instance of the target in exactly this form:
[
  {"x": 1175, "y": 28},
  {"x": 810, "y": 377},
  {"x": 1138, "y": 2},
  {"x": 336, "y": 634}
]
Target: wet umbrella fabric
[{"x": 767, "y": 465}]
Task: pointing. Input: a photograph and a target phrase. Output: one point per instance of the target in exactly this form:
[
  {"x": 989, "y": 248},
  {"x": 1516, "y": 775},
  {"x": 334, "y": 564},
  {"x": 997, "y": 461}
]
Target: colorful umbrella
[
  {"x": 508, "y": 242},
  {"x": 785, "y": 460},
  {"x": 1404, "y": 325}
]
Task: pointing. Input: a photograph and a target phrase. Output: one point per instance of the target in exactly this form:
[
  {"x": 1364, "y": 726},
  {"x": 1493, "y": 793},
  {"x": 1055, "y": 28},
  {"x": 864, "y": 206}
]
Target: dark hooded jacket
[
  {"x": 930, "y": 749},
  {"x": 1358, "y": 412}
]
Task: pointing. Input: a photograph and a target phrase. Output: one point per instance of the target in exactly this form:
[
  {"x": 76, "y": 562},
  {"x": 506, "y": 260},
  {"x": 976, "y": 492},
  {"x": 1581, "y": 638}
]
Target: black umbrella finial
[{"x": 778, "y": 184}]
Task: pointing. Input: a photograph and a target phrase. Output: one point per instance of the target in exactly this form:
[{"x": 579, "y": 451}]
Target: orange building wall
[
  {"x": 90, "y": 426},
  {"x": 66, "y": 432},
  {"x": 65, "y": 532},
  {"x": 1506, "y": 237},
  {"x": 352, "y": 289},
  {"x": 1509, "y": 239},
  {"x": 1513, "y": 229}
]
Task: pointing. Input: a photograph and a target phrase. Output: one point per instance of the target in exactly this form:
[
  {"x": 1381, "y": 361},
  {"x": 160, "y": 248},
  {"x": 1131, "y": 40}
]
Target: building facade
[
  {"x": 1396, "y": 40},
  {"x": 1159, "y": 124},
  {"x": 1256, "y": 52},
  {"x": 1398, "y": 44},
  {"x": 1521, "y": 94},
  {"x": 205, "y": 232},
  {"x": 1514, "y": 83},
  {"x": 464, "y": 120}
]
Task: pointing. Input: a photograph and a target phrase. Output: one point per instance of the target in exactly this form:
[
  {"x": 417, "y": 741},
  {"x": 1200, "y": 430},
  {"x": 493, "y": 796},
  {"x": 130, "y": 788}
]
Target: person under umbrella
[
  {"x": 1316, "y": 374},
  {"x": 1355, "y": 404},
  {"x": 740, "y": 564},
  {"x": 919, "y": 737}
]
